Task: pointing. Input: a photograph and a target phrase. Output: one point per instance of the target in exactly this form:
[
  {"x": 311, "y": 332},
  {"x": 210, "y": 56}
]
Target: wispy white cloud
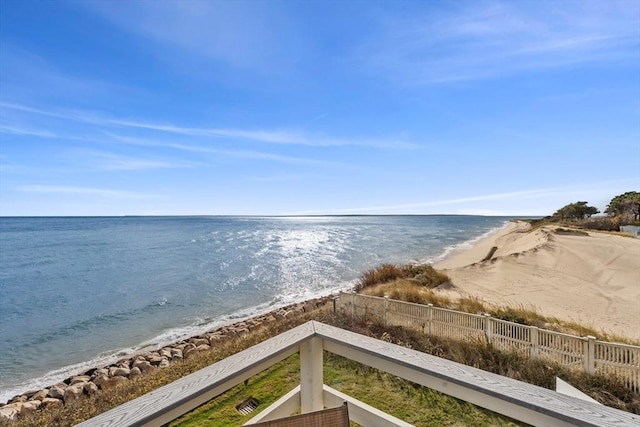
[
  {"x": 279, "y": 178},
  {"x": 571, "y": 193},
  {"x": 115, "y": 162},
  {"x": 235, "y": 33},
  {"x": 283, "y": 137},
  {"x": 102, "y": 160},
  {"x": 26, "y": 132},
  {"x": 242, "y": 154},
  {"x": 83, "y": 191},
  {"x": 279, "y": 137},
  {"x": 480, "y": 40},
  {"x": 39, "y": 132},
  {"x": 496, "y": 196}
]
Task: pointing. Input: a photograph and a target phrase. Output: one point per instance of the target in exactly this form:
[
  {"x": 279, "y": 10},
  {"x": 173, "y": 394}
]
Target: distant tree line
[
  {"x": 575, "y": 211},
  {"x": 622, "y": 209},
  {"x": 626, "y": 206}
]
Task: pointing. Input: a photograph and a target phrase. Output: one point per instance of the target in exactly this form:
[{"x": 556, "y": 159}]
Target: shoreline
[
  {"x": 131, "y": 366},
  {"x": 475, "y": 250},
  {"x": 167, "y": 338},
  {"x": 67, "y": 373},
  {"x": 494, "y": 281},
  {"x": 591, "y": 279}
]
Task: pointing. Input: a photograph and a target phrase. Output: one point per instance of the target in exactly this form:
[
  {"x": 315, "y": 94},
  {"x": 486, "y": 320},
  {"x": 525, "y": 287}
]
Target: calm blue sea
[{"x": 77, "y": 292}]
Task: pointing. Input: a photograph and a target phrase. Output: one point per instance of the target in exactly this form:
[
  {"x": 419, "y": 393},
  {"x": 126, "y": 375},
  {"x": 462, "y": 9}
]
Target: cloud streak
[
  {"x": 242, "y": 154},
  {"x": 481, "y": 40},
  {"x": 278, "y": 137},
  {"x": 99, "y": 160},
  {"x": 26, "y": 132},
  {"x": 570, "y": 191},
  {"x": 216, "y": 30},
  {"x": 82, "y": 191}
]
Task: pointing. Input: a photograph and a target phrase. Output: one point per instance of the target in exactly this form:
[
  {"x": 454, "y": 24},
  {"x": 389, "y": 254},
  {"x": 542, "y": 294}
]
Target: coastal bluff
[{"x": 135, "y": 366}]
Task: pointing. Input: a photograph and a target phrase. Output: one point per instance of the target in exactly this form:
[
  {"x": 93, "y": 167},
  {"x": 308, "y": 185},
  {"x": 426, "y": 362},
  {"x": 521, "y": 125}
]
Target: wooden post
[
  {"x": 311, "y": 395},
  {"x": 488, "y": 330},
  {"x": 353, "y": 305},
  {"x": 589, "y": 354},
  {"x": 386, "y": 306},
  {"x": 533, "y": 339},
  {"x": 430, "y": 318}
]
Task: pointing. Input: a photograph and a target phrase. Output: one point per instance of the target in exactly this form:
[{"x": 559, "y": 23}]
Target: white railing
[
  {"x": 521, "y": 401},
  {"x": 595, "y": 357}
]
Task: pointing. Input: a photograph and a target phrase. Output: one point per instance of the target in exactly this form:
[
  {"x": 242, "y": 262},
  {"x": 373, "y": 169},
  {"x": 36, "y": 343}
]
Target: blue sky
[{"x": 334, "y": 107}]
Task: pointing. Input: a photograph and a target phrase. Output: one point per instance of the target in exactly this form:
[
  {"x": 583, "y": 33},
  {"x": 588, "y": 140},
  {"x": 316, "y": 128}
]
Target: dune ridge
[{"x": 592, "y": 279}]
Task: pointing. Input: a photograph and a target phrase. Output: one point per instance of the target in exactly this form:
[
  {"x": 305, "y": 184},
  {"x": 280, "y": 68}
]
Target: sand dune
[{"x": 593, "y": 280}]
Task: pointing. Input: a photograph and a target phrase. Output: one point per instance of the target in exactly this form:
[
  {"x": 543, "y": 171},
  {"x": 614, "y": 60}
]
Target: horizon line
[{"x": 255, "y": 215}]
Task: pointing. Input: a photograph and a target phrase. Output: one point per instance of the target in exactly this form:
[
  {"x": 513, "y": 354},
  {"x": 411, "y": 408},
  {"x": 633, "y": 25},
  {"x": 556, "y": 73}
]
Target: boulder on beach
[
  {"x": 74, "y": 392},
  {"x": 11, "y": 411},
  {"x": 56, "y": 392}
]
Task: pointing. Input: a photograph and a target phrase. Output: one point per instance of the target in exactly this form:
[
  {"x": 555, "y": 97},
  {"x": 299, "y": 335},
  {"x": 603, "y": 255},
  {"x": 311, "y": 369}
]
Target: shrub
[
  {"x": 423, "y": 275},
  {"x": 561, "y": 230},
  {"x": 383, "y": 274},
  {"x": 602, "y": 224}
]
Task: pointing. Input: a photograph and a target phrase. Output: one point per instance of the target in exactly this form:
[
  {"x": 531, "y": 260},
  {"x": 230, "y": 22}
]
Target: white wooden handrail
[{"x": 525, "y": 402}]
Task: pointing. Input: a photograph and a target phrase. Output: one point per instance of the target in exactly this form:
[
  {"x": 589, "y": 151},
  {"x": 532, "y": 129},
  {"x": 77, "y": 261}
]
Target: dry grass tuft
[
  {"x": 382, "y": 274},
  {"x": 422, "y": 275},
  {"x": 606, "y": 390}
]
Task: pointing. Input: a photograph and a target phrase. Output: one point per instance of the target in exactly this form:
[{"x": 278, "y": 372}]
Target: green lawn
[{"x": 414, "y": 404}]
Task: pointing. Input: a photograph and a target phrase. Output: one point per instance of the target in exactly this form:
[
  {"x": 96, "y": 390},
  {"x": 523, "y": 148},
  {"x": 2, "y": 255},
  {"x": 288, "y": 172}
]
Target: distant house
[{"x": 631, "y": 229}]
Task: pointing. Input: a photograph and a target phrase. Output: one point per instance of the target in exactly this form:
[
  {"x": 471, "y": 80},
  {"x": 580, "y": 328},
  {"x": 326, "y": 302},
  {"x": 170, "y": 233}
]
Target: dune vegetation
[
  {"x": 413, "y": 283},
  {"x": 604, "y": 389}
]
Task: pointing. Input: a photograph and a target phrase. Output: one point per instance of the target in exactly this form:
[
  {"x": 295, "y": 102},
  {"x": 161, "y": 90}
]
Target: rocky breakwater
[{"x": 108, "y": 377}]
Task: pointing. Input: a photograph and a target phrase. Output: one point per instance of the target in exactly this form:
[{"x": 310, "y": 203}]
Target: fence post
[
  {"x": 533, "y": 339},
  {"x": 430, "y": 318},
  {"x": 334, "y": 304},
  {"x": 488, "y": 330},
  {"x": 386, "y": 306},
  {"x": 353, "y": 305},
  {"x": 589, "y": 354}
]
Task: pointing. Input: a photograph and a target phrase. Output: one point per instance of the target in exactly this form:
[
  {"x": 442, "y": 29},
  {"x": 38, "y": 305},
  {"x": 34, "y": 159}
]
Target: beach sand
[{"x": 593, "y": 280}]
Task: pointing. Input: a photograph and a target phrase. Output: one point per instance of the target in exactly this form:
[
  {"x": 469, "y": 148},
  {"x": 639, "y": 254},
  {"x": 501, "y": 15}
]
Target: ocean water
[{"x": 79, "y": 292}]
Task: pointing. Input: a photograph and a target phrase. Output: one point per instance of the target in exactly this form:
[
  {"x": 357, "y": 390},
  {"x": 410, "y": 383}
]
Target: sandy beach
[{"x": 593, "y": 280}]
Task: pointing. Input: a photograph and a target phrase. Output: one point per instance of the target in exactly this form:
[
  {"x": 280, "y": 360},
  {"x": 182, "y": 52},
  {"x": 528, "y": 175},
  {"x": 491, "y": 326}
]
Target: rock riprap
[{"x": 108, "y": 377}]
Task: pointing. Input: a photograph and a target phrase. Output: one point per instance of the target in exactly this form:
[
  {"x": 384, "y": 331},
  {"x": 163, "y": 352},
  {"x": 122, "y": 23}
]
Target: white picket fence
[{"x": 586, "y": 353}]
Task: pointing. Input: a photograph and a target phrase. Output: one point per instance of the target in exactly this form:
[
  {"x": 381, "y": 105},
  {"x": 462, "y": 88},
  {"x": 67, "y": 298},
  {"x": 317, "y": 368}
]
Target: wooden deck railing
[
  {"x": 525, "y": 402},
  {"x": 586, "y": 353}
]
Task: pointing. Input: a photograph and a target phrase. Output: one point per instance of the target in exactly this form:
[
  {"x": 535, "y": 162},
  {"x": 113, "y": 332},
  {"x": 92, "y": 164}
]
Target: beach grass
[
  {"x": 422, "y": 275},
  {"x": 607, "y": 390}
]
